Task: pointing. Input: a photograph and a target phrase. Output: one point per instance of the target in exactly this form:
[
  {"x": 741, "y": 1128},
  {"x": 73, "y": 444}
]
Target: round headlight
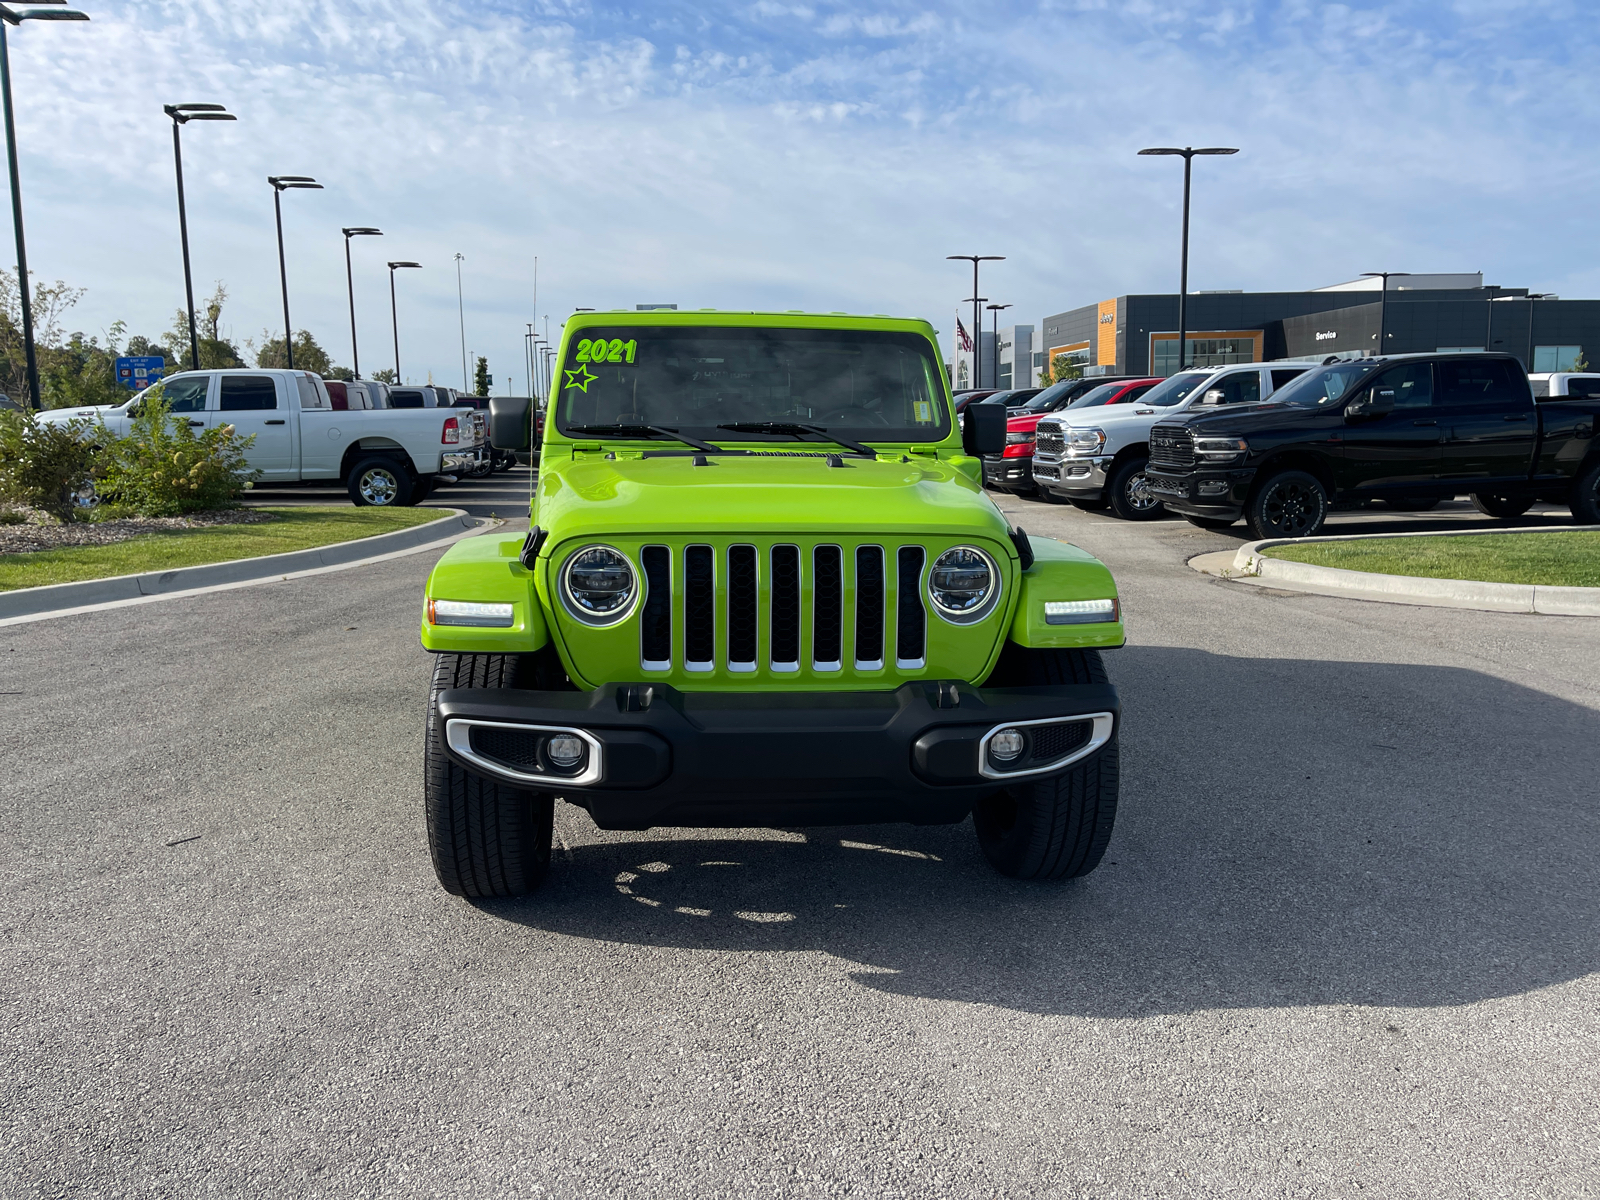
[
  {"x": 963, "y": 584},
  {"x": 598, "y": 584}
]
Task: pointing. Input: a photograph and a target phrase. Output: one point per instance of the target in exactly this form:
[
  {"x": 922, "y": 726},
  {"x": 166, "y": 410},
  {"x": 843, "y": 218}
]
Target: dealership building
[{"x": 1138, "y": 335}]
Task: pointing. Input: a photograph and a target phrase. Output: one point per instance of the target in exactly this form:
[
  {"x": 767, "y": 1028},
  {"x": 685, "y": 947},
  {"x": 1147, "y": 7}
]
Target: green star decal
[{"x": 581, "y": 379}]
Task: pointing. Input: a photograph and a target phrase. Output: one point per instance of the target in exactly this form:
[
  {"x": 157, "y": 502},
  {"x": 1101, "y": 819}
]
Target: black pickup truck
[{"x": 1409, "y": 429}]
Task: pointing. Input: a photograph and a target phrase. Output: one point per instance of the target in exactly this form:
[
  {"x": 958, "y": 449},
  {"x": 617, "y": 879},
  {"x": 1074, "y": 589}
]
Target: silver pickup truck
[{"x": 382, "y": 456}]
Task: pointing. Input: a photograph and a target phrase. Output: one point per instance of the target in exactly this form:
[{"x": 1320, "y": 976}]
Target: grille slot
[
  {"x": 1054, "y": 741},
  {"x": 743, "y": 599},
  {"x": 786, "y": 608},
  {"x": 1171, "y": 447},
  {"x": 699, "y": 609},
  {"x": 1049, "y": 441},
  {"x": 827, "y": 608},
  {"x": 513, "y": 747},
  {"x": 911, "y": 620},
  {"x": 655, "y": 620},
  {"x": 869, "y": 608}
]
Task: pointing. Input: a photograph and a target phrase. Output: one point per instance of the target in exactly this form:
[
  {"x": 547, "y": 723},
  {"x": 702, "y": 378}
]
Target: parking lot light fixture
[
  {"x": 181, "y": 115},
  {"x": 1383, "y": 298},
  {"x": 1187, "y": 153},
  {"x": 394, "y": 315},
  {"x": 350, "y": 279},
  {"x": 997, "y": 309},
  {"x": 281, "y": 184},
  {"x": 50, "y": 10},
  {"x": 977, "y": 319}
]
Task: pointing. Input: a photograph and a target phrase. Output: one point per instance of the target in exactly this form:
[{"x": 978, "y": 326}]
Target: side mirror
[
  {"x": 984, "y": 430},
  {"x": 509, "y": 423},
  {"x": 1374, "y": 402},
  {"x": 1213, "y": 396}
]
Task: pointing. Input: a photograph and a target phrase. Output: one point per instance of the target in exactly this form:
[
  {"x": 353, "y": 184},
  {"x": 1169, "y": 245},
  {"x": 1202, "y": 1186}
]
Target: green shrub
[
  {"x": 163, "y": 467},
  {"x": 46, "y": 466}
]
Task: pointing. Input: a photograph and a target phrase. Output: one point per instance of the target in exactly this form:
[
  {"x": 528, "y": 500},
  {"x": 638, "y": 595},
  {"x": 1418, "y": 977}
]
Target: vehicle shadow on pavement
[{"x": 1292, "y": 832}]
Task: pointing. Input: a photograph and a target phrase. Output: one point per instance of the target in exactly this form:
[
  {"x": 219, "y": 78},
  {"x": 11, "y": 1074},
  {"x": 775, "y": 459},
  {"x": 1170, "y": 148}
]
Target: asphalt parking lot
[{"x": 1345, "y": 941}]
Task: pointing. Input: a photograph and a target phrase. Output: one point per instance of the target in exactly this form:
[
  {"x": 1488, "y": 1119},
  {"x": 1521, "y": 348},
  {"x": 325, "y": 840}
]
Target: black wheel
[
  {"x": 1288, "y": 505},
  {"x": 380, "y": 481},
  {"x": 1586, "y": 497},
  {"x": 1503, "y": 508},
  {"x": 1211, "y": 522},
  {"x": 486, "y": 838},
  {"x": 1130, "y": 495},
  {"x": 1057, "y": 827},
  {"x": 1411, "y": 503},
  {"x": 423, "y": 489}
]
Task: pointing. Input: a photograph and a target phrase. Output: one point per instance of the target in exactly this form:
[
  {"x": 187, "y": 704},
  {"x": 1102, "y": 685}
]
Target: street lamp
[
  {"x": 16, "y": 16},
  {"x": 461, "y": 315},
  {"x": 395, "y": 316},
  {"x": 977, "y": 320},
  {"x": 281, "y": 184},
  {"x": 1383, "y": 298},
  {"x": 1187, "y": 154},
  {"x": 997, "y": 309},
  {"x": 181, "y": 115},
  {"x": 350, "y": 279}
]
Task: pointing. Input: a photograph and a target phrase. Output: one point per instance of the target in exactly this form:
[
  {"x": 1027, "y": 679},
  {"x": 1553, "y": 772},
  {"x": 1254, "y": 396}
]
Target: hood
[
  {"x": 592, "y": 496},
  {"x": 1117, "y": 414},
  {"x": 1241, "y": 418}
]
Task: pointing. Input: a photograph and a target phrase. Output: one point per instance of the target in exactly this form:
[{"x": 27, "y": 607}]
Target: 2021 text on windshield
[{"x": 752, "y": 384}]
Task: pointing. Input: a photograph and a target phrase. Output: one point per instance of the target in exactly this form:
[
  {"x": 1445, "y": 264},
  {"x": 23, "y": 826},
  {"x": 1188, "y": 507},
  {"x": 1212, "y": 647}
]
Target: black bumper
[
  {"x": 743, "y": 759},
  {"x": 1208, "y": 493},
  {"x": 1012, "y": 474}
]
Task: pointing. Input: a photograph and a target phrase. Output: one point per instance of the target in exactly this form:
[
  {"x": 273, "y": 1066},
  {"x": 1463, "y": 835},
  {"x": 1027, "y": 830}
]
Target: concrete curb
[
  {"x": 1252, "y": 564},
  {"x": 62, "y": 597}
]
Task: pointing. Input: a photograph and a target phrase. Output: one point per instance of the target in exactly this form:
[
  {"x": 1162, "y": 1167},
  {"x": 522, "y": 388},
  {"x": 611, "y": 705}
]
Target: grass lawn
[
  {"x": 1548, "y": 559},
  {"x": 294, "y": 529}
]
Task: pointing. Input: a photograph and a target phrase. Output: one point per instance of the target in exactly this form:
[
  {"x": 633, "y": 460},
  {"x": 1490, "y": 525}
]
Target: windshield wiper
[
  {"x": 648, "y": 431},
  {"x": 796, "y": 430}
]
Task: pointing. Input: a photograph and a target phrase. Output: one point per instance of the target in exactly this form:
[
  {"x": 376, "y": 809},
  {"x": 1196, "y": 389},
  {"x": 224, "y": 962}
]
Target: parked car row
[{"x": 1282, "y": 444}]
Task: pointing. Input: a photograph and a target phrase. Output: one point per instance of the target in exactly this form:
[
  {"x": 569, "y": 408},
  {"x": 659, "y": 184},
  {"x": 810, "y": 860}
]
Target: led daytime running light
[
  {"x": 471, "y": 612},
  {"x": 1081, "y": 612}
]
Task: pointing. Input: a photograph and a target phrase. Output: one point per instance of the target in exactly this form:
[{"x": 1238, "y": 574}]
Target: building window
[
  {"x": 1203, "y": 352},
  {"x": 1005, "y": 375},
  {"x": 1556, "y": 358}
]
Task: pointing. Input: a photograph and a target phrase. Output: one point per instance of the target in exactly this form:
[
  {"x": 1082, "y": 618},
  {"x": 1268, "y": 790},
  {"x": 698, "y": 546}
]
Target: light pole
[
  {"x": 354, "y": 231},
  {"x": 281, "y": 184},
  {"x": 461, "y": 314},
  {"x": 527, "y": 358},
  {"x": 16, "y": 17},
  {"x": 394, "y": 315},
  {"x": 997, "y": 309},
  {"x": 1187, "y": 154},
  {"x": 181, "y": 115},
  {"x": 1383, "y": 298},
  {"x": 977, "y": 319}
]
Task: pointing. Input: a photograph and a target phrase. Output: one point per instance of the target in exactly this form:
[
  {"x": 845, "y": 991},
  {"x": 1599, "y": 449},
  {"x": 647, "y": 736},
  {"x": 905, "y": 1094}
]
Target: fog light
[
  {"x": 1213, "y": 487},
  {"x": 566, "y": 750},
  {"x": 1007, "y": 744}
]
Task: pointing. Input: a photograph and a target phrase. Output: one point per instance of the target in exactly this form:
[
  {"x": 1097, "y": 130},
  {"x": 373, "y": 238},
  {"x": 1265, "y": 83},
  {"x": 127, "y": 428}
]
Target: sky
[{"x": 790, "y": 154}]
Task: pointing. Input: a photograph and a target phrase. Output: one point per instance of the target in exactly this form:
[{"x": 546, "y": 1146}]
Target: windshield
[
  {"x": 1173, "y": 390},
  {"x": 862, "y": 384},
  {"x": 1095, "y": 396},
  {"x": 1051, "y": 396},
  {"x": 1324, "y": 386}
]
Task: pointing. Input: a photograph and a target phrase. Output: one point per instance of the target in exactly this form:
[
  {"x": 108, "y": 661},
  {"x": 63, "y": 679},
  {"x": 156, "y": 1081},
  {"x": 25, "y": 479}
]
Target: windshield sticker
[
  {"x": 581, "y": 379},
  {"x": 924, "y": 411},
  {"x": 600, "y": 350}
]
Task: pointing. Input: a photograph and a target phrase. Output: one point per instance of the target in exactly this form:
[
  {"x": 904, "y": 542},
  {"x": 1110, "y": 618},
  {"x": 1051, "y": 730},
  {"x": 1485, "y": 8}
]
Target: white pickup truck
[
  {"x": 1561, "y": 385},
  {"x": 1097, "y": 458},
  {"x": 383, "y": 456}
]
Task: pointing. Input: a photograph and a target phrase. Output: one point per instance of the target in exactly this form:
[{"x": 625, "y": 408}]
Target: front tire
[
  {"x": 1502, "y": 508},
  {"x": 1130, "y": 494},
  {"x": 1586, "y": 497},
  {"x": 1291, "y": 504},
  {"x": 1057, "y": 827},
  {"x": 486, "y": 838}
]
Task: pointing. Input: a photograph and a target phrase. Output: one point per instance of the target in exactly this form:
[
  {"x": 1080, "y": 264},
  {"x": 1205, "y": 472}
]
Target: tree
[
  {"x": 1062, "y": 368},
  {"x": 308, "y": 355},
  {"x": 1580, "y": 363},
  {"x": 387, "y": 375},
  {"x": 480, "y": 378},
  {"x": 216, "y": 351}
]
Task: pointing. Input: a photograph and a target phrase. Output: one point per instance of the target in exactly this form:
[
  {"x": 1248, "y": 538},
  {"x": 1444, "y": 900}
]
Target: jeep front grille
[{"x": 1171, "y": 448}]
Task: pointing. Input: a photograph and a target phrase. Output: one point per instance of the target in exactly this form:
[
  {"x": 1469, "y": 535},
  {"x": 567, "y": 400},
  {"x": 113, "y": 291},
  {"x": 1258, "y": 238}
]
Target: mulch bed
[{"x": 40, "y": 531}]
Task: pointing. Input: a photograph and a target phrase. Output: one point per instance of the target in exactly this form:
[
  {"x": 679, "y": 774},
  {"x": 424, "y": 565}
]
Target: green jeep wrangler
[{"x": 764, "y": 587}]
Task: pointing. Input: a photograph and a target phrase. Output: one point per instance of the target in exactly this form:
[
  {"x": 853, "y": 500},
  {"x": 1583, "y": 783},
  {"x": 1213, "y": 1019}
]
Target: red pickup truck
[{"x": 1012, "y": 471}]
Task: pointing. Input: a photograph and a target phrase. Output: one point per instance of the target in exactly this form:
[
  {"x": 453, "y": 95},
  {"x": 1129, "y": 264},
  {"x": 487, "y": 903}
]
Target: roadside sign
[{"x": 140, "y": 371}]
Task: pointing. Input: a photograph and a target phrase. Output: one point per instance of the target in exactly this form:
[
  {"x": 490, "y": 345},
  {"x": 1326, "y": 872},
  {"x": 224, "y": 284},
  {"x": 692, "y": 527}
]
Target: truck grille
[
  {"x": 1048, "y": 439},
  {"x": 1171, "y": 448}
]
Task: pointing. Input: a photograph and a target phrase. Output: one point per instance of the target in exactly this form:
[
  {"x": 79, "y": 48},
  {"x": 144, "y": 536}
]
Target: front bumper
[
  {"x": 1008, "y": 472},
  {"x": 1083, "y": 478},
  {"x": 660, "y": 756},
  {"x": 1206, "y": 492}
]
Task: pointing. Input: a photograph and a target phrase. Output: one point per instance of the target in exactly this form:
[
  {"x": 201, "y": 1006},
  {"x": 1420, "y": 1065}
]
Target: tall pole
[
  {"x": 183, "y": 236},
  {"x": 283, "y": 278},
  {"x": 977, "y": 317},
  {"x": 461, "y": 312},
  {"x": 350, "y": 279},
  {"x": 394, "y": 315},
  {"x": 1183, "y": 270},
  {"x": 1383, "y": 278},
  {"x": 35, "y": 399}
]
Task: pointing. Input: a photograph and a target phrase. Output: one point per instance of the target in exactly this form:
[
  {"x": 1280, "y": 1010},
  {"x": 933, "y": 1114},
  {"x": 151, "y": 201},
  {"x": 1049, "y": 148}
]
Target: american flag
[{"x": 963, "y": 340}]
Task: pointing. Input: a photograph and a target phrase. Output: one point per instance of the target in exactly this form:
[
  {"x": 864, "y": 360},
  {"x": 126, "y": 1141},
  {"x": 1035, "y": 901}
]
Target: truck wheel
[
  {"x": 1211, "y": 522},
  {"x": 1130, "y": 495},
  {"x": 1504, "y": 508},
  {"x": 486, "y": 838},
  {"x": 1054, "y": 828},
  {"x": 1288, "y": 505},
  {"x": 1586, "y": 497},
  {"x": 381, "y": 482}
]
